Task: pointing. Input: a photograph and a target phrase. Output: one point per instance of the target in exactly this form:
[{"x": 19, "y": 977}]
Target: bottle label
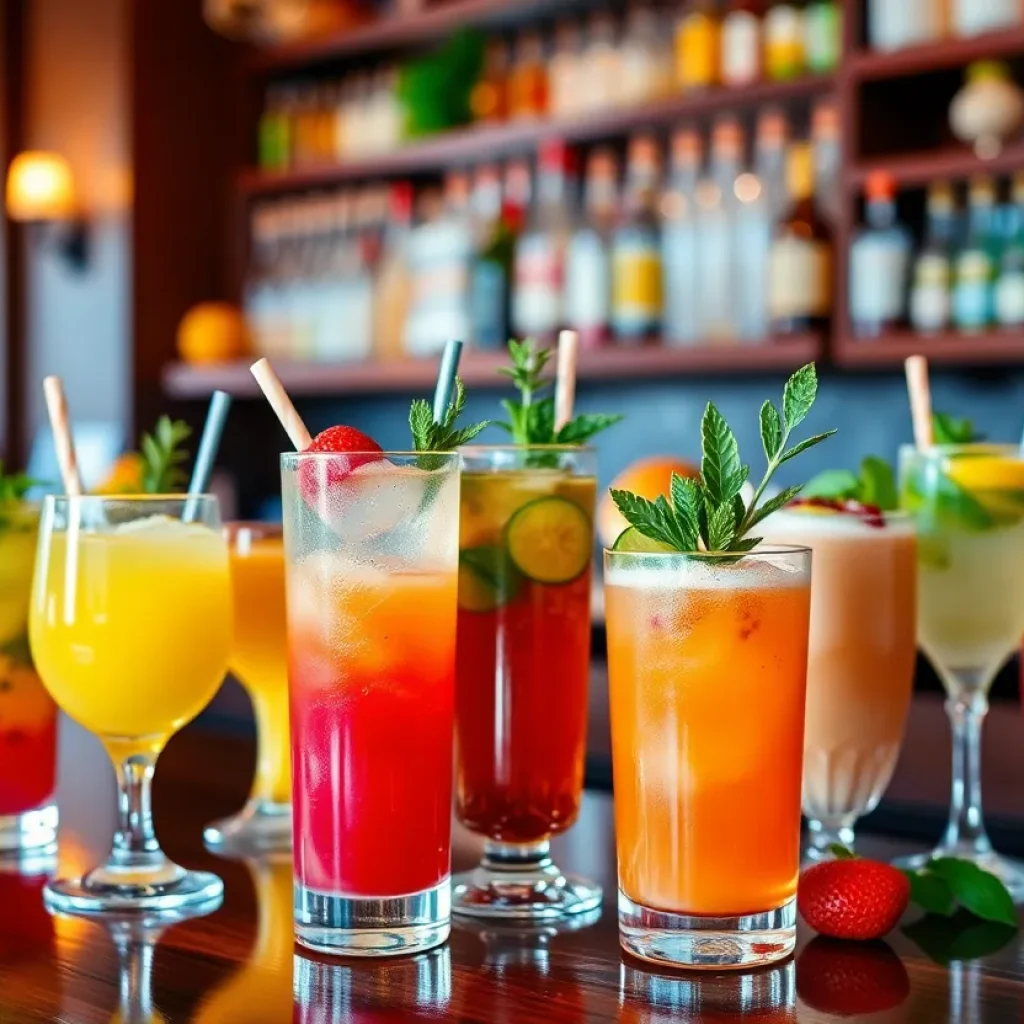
[
  {"x": 636, "y": 287},
  {"x": 487, "y": 305},
  {"x": 972, "y": 297},
  {"x": 697, "y": 51},
  {"x": 878, "y": 279},
  {"x": 929, "y": 307},
  {"x": 741, "y": 48},
  {"x": 586, "y": 283},
  {"x": 1010, "y": 298},
  {"x": 799, "y": 279},
  {"x": 537, "y": 304},
  {"x": 822, "y": 34},
  {"x": 784, "y": 42}
]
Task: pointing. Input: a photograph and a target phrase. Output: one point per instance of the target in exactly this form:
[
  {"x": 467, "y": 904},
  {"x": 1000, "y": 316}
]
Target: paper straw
[
  {"x": 446, "y": 373},
  {"x": 282, "y": 405},
  {"x": 216, "y": 416},
  {"x": 920, "y": 401},
  {"x": 57, "y": 410},
  {"x": 565, "y": 381}
]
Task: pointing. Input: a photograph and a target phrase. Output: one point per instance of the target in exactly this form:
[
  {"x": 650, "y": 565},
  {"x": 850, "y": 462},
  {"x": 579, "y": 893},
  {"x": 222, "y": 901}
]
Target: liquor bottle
[
  {"x": 879, "y": 262},
  {"x": 972, "y": 17},
  {"x": 601, "y": 64},
  {"x": 636, "y": 247},
  {"x": 680, "y": 253},
  {"x": 784, "y": 54},
  {"x": 275, "y": 132},
  {"x": 259, "y": 294},
  {"x": 974, "y": 267},
  {"x": 930, "y": 297},
  {"x": 823, "y": 30},
  {"x": 565, "y": 69},
  {"x": 644, "y": 61},
  {"x": 697, "y": 45},
  {"x": 755, "y": 222},
  {"x": 741, "y": 42},
  {"x": 494, "y": 245},
  {"x": 907, "y": 23},
  {"x": 1009, "y": 297},
  {"x": 800, "y": 266},
  {"x": 716, "y": 232},
  {"x": 528, "y": 79},
  {"x": 588, "y": 278},
  {"x": 828, "y": 159},
  {"x": 488, "y": 99},
  {"x": 539, "y": 275},
  {"x": 393, "y": 285},
  {"x": 770, "y": 160}
]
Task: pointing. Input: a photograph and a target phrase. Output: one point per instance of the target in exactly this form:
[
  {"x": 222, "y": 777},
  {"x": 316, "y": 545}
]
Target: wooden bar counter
[{"x": 239, "y": 964}]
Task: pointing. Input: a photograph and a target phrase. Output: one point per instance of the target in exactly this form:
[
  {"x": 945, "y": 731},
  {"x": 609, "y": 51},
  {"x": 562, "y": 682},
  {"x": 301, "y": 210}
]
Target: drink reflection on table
[
  {"x": 416, "y": 988},
  {"x": 649, "y": 998},
  {"x": 261, "y": 989}
]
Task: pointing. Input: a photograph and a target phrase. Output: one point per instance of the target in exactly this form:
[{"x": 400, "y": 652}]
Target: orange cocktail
[{"x": 707, "y": 671}]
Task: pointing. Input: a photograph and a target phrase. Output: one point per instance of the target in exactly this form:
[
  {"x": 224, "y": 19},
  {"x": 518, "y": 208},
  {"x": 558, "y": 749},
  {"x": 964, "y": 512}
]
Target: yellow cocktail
[
  {"x": 130, "y": 628},
  {"x": 259, "y": 658}
]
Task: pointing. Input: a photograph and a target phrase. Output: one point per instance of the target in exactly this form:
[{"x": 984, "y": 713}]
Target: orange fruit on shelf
[
  {"x": 212, "y": 332},
  {"x": 124, "y": 477},
  {"x": 647, "y": 477}
]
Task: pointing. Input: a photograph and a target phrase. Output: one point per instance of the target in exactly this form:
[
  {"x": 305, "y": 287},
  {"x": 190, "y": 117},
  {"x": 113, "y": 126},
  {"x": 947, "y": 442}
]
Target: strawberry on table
[
  {"x": 847, "y": 980},
  {"x": 853, "y": 898}
]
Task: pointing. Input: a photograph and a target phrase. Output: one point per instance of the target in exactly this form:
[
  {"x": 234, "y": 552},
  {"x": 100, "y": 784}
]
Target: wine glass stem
[
  {"x": 135, "y": 843},
  {"x": 965, "y": 832},
  {"x": 135, "y": 960}
]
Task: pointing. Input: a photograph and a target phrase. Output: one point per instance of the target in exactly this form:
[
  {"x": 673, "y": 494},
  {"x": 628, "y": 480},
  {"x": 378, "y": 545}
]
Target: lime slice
[
  {"x": 487, "y": 578},
  {"x": 550, "y": 540},
  {"x": 631, "y": 539}
]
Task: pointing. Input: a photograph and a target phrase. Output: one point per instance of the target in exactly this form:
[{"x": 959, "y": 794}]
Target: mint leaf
[
  {"x": 687, "y": 501},
  {"x": 975, "y": 890},
  {"x": 721, "y": 528},
  {"x": 841, "y": 852},
  {"x": 747, "y": 544},
  {"x": 947, "y": 940},
  {"x": 948, "y": 429},
  {"x": 585, "y": 426},
  {"x": 798, "y": 396},
  {"x": 930, "y": 893},
  {"x": 837, "y": 484},
  {"x": 492, "y": 564},
  {"x": 720, "y": 464},
  {"x": 877, "y": 484},
  {"x": 654, "y": 519},
  {"x": 774, "y": 504},
  {"x": 428, "y": 436},
  {"x": 771, "y": 430},
  {"x": 799, "y": 449}
]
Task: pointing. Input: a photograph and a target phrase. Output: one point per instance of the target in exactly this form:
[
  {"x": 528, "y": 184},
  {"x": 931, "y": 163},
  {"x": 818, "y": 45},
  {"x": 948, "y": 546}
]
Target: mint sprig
[
  {"x": 446, "y": 436},
  {"x": 710, "y": 514},
  {"x": 531, "y": 420},
  {"x": 875, "y": 485},
  {"x": 948, "y": 429},
  {"x": 14, "y": 486},
  {"x": 163, "y": 455}
]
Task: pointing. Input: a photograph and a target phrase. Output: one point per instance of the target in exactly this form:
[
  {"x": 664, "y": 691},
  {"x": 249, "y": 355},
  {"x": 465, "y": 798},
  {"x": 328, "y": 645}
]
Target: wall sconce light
[{"x": 40, "y": 192}]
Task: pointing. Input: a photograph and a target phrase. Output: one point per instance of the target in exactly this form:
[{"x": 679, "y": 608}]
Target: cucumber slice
[
  {"x": 550, "y": 540},
  {"x": 487, "y": 578},
  {"x": 631, "y": 539}
]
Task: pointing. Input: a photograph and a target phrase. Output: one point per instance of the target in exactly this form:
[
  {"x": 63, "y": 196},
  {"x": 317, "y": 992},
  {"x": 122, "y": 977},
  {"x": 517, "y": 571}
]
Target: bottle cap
[{"x": 880, "y": 185}]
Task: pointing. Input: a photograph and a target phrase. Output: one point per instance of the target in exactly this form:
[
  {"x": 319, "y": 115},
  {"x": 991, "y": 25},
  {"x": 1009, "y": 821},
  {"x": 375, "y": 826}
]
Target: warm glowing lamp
[{"x": 40, "y": 188}]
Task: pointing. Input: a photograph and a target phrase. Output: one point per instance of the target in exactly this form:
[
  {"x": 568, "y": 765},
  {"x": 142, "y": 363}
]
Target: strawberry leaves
[{"x": 710, "y": 514}]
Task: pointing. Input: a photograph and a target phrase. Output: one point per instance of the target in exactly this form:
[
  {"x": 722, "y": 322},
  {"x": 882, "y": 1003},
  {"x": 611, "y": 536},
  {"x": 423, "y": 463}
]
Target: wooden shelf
[
  {"x": 479, "y": 369},
  {"x": 948, "y": 348},
  {"x": 922, "y": 168},
  {"x": 392, "y": 32},
  {"x": 950, "y": 53},
  {"x": 489, "y": 142}
]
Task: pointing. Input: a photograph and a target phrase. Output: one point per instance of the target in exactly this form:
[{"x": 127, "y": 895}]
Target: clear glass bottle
[
  {"x": 879, "y": 262},
  {"x": 828, "y": 159},
  {"x": 588, "y": 279},
  {"x": 754, "y": 226},
  {"x": 893, "y": 26},
  {"x": 741, "y": 42},
  {"x": 972, "y": 17},
  {"x": 494, "y": 246},
  {"x": 539, "y": 276},
  {"x": 393, "y": 285},
  {"x": 680, "y": 252},
  {"x": 641, "y": 57},
  {"x": 930, "y": 293},
  {"x": 975, "y": 264},
  {"x": 1009, "y": 295},
  {"x": 800, "y": 266},
  {"x": 565, "y": 70},
  {"x": 601, "y": 66}
]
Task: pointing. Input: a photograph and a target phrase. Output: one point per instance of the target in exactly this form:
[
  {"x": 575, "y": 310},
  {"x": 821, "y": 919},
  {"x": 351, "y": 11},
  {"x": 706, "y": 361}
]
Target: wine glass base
[
  {"x": 525, "y": 895},
  {"x": 260, "y": 827},
  {"x": 1009, "y": 871},
  {"x": 193, "y": 889}
]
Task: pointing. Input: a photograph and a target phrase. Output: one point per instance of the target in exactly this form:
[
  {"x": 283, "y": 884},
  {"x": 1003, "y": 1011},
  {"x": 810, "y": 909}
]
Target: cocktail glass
[
  {"x": 525, "y": 554},
  {"x": 131, "y": 628},
  {"x": 259, "y": 658},
  {"x": 28, "y": 715},
  {"x": 371, "y": 546},
  {"x": 968, "y": 502},
  {"x": 860, "y": 673},
  {"x": 707, "y": 664}
]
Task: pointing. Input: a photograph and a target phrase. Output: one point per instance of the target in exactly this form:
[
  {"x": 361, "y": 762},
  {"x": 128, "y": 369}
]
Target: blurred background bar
[{"x": 711, "y": 192}]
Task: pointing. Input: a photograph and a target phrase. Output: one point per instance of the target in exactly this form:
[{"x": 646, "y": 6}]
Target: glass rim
[
  {"x": 771, "y": 550},
  {"x": 897, "y": 515},
  {"x": 472, "y": 449},
  {"x": 127, "y": 499},
  {"x": 937, "y": 450},
  {"x": 448, "y": 453}
]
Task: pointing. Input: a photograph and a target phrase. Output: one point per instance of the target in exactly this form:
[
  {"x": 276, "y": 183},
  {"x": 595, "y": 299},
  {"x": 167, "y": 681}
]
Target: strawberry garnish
[
  {"x": 870, "y": 515},
  {"x": 352, "y": 449},
  {"x": 853, "y": 898},
  {"x": 846, "y": 980}
]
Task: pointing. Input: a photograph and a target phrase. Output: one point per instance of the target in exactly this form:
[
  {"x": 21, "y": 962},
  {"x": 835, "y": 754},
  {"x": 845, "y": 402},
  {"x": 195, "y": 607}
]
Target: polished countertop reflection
[{"x": 239, "y": 964}]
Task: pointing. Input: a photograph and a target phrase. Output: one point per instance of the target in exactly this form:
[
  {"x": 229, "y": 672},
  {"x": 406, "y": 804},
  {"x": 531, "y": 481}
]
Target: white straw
[
  {"x": 285, "y": 411},
  {"x": 57, "y": 410},
  {"x": 565, "y": 381},
  {"x": 920, "y": 401}
]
